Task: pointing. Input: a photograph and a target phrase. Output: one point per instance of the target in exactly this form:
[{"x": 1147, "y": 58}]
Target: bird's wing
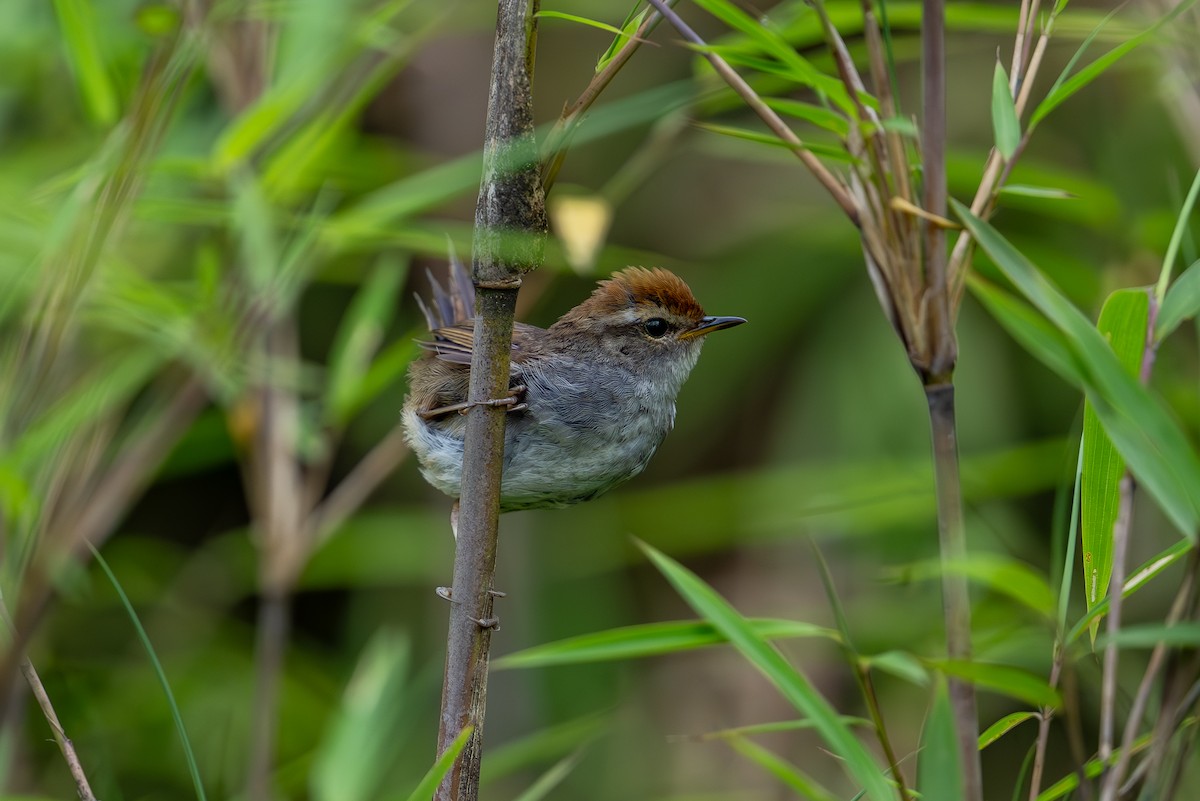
[{"x": 454, "y": 343}]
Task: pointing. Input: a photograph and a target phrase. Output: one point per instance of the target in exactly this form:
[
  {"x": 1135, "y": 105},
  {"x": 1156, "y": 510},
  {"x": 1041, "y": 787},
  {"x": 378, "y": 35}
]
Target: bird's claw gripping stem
[{"x": 513, "y": 402}]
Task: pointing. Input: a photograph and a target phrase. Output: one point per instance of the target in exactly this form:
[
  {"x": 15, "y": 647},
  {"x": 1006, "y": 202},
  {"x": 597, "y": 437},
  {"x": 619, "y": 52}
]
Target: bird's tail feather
[{"x": 452, "y": 304}]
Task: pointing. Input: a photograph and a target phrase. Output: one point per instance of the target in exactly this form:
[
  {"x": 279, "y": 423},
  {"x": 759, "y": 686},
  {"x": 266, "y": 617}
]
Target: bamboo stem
[
  {"x": 955, "y": 596},
  {"x": 511, "y": 200}
]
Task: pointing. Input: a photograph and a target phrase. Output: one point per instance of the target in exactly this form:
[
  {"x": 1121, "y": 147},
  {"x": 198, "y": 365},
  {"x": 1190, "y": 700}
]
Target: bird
[{"x": 591, "y": 397}]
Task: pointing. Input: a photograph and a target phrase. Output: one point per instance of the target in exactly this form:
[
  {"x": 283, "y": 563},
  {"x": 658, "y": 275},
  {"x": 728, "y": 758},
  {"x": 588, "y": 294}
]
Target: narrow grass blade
[
  {"x": 939, "y": 772},
  {"x": 80, "y": 30},
  {"x": 1149, "y": 439},
  {"x": 425, "y": 789},
  {"x": 1005, "y": 125},
  {"x": 193, "y": 768},
  {"x": 771, "y": 663},
  {"x": 1123, "y": 322},
  {"x": 1003, "y": 726},
  {"x": 650, "y": 639},
  {"x": 781, "y": 769}
]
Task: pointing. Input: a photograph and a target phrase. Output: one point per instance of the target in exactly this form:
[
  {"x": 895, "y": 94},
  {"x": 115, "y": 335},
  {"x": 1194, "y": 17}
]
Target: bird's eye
[{"x": 657, "y": 327}]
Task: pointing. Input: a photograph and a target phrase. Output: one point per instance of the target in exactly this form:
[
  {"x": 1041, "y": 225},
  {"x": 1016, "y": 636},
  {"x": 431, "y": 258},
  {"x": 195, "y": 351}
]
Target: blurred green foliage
[{"x": 160, "y": 214}]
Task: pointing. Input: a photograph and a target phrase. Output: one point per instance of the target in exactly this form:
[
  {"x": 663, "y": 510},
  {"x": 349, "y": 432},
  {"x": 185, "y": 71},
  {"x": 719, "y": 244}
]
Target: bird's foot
[
  {"x": 513, "y": 402},
  {"x": 492, "y": 623}
]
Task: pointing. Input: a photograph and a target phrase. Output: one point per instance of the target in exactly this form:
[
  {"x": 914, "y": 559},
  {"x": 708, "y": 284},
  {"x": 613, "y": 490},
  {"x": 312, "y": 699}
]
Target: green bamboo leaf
[
  {"x": 1181, "y": 303},
  {"x": 426, "y": 787},
  {"x": 995, "y": 571},
  {"x": 773, "y": 728},
  {"x": 351, "y": 761},
  {"x": 771, "y": 663},
  {"x": 1005, "y": 125},
  {"x": 1064, "y": 88},
  {"x": 1123, "y": 321},
  {"x": 800, "y": 69},
  {"x": 1179, "y": 635},
  {"x": 1033, "y": 331},
  {"x": 1149, "y": 439},
  {"x": 1003, "y": 726},
  {"x": 900, "y": 664},
  {"x": 1047, "y": 192},
  {"x": 591, "y": 23},
  {"x": 810, "y": 112},
  {"x": 633, "y": 21},
  {"x": 81, "y": 34},
  {"x": 1137, "y": 579},
  {"x": 358, "y": 337},
  {"x": 650, "y": 639},
  {"x": 1003, "y": 679},
  {"x": 939, "y": 771},
  {"x": 781, "y": 769},
  {"x": 826, "y": 151}
]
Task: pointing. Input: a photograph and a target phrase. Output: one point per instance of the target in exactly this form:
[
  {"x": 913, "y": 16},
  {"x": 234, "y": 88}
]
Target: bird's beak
[{"x": 710, "y": 324}]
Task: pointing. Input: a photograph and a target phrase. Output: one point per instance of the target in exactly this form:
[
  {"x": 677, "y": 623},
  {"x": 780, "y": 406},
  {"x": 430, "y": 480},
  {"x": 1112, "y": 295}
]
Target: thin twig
[
  {"x": 1043, "y": 738},
  {"x": 64, "y": 743},
  {"x": 827, "y": 179},
  {"x": 65, "y": 746},
  {"x": 510, "y": 200},
  {"x": 867, "y": 685}
]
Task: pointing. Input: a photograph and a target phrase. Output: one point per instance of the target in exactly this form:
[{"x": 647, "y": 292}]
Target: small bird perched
[{"x": 592, "y": 397}]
